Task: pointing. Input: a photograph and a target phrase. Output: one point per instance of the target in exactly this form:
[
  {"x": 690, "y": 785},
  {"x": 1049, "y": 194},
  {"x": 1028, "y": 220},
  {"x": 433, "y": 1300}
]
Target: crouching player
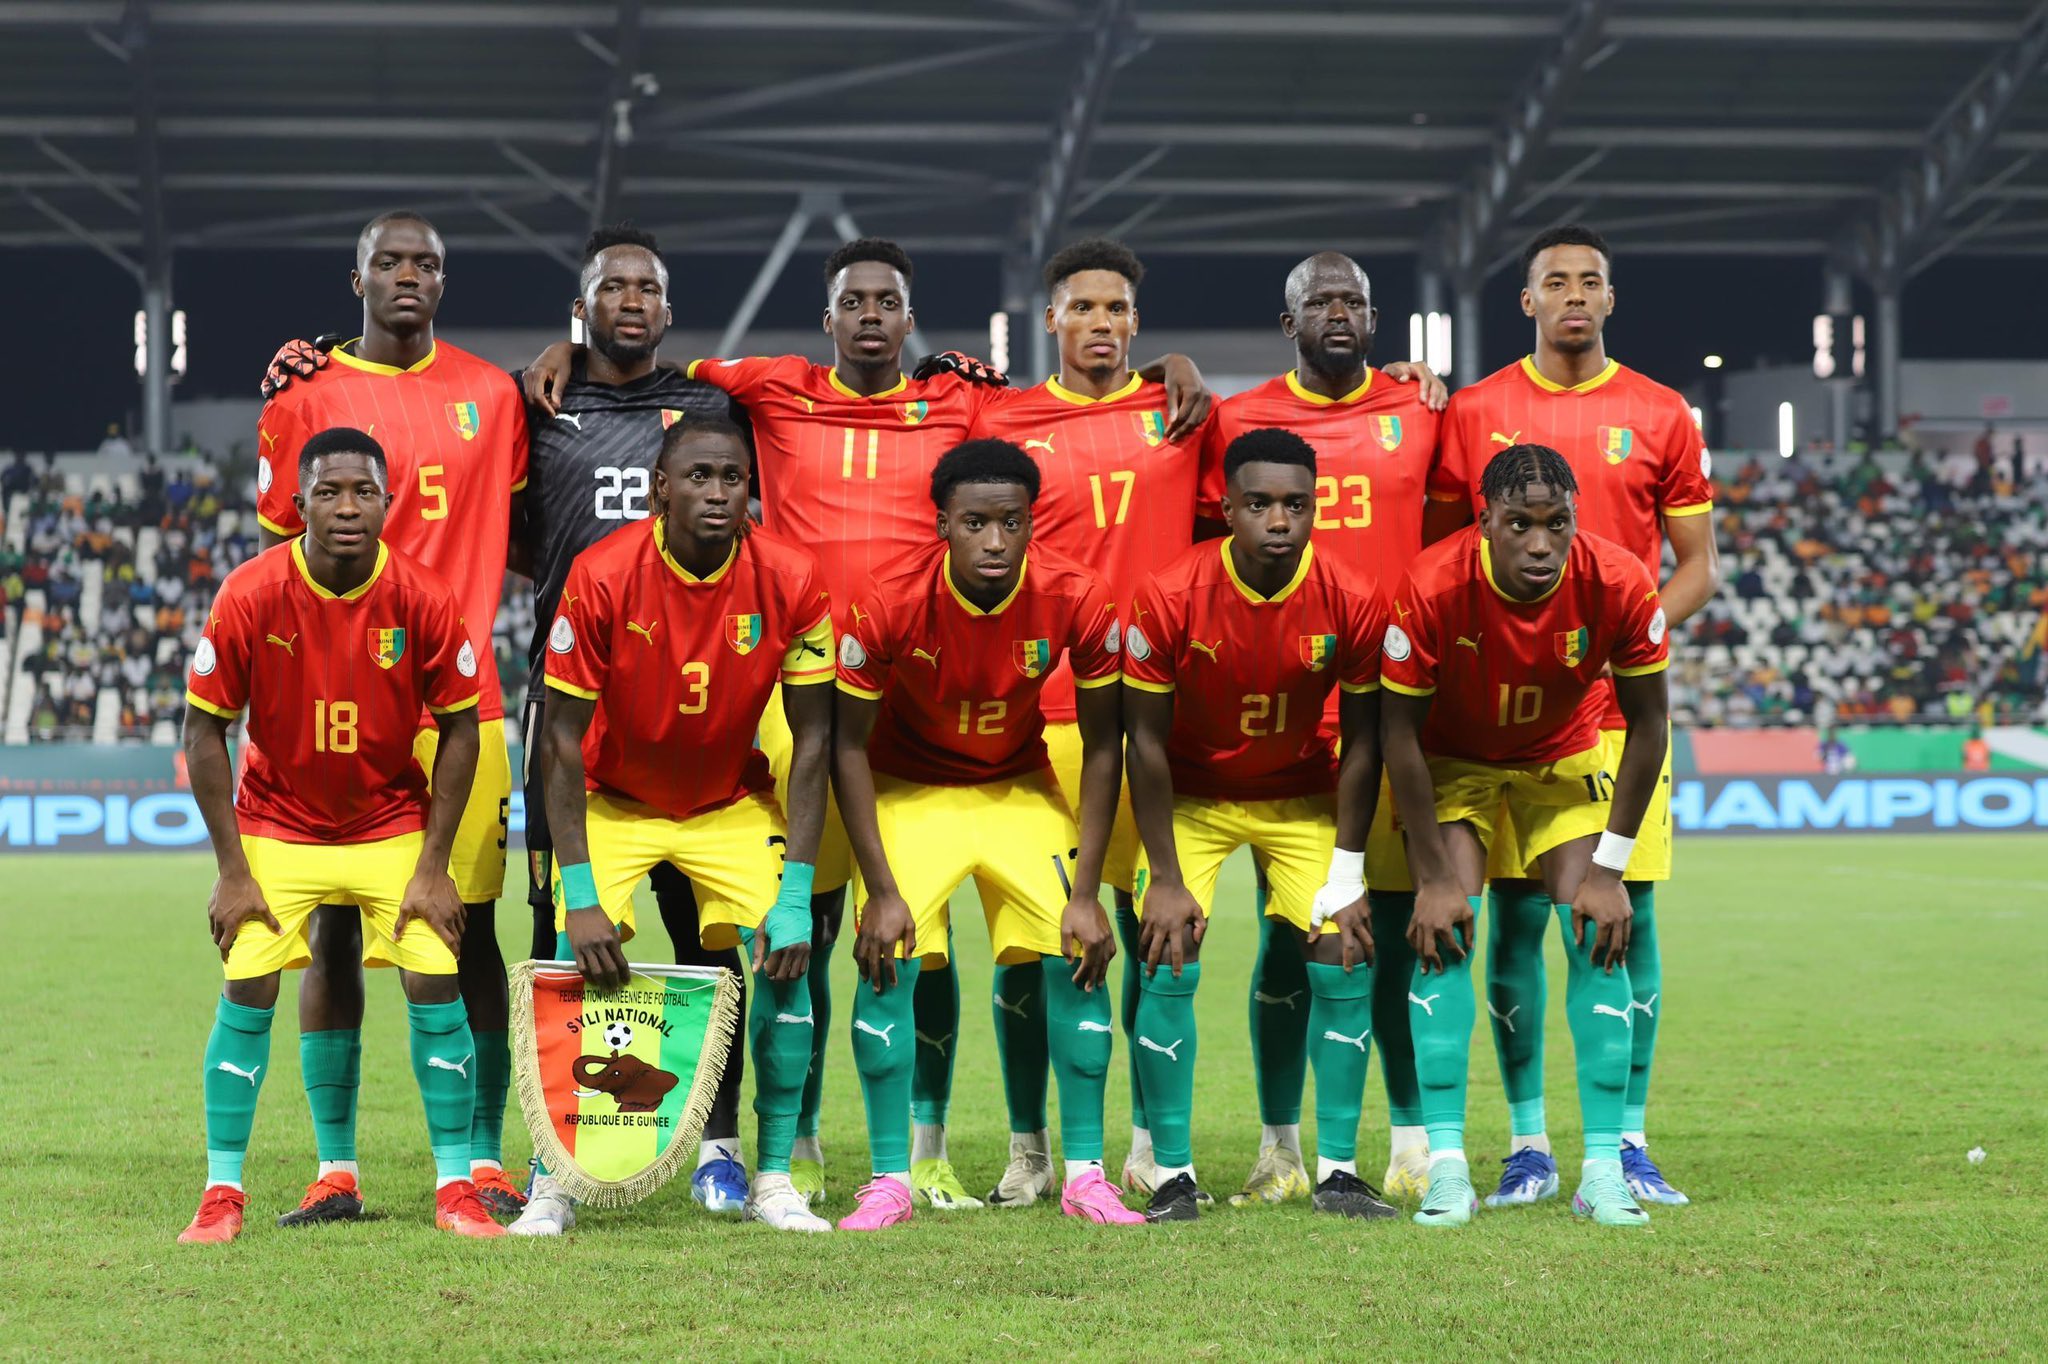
[
  {"x": 671, "y": 638},
  {"x": 940, "y": 764},
  {"x": 334, "y": 642},
  {"x": 1495, "y": 648},
  {"x": 1230, "y": 657}
]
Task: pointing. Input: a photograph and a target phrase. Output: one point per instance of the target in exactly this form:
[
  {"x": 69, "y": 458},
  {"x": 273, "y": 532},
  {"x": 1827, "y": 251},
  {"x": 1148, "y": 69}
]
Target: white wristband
[
  {"x": 1612, "y": 852},
  {"x": 1347, "y": 868}
]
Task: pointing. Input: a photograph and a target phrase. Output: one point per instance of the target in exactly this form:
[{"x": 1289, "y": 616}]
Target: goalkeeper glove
[
  {"x": 297, "y": 360},
  {"x": 965, "y": 366}
]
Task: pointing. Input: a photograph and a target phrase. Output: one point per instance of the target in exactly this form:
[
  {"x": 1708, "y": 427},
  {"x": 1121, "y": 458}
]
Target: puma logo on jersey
[
  {"x": 1261, "y": 997},
  {"x": 231, "y": 1068},
  {"x": 571, "y": 418},
  {"x": 1613, "y": 1012},
  {"x": 646, "y": 631},
  {"x": 1016, "y": 1008},
  {"x": 806, "y": 646},
  {"x": 459, "y": 1067},
  {"x": 284, "y": 644},
  {"x": 1332, "y": 1035},
  {"x": 940, "y": 1044},
  {"x": 810, "y": 407},
  {"x": 811, "y": 1017},
  {"x": 1208, "y": 649},
  {"x": 1472, "y": 643},
  {"x": 1045, "y": 445},
  {"x": 1170, "y": 1052},
  {"x": 1427, "y": 1004},
  {"x": 1401, "y": 612},
  {"x": 862, "y": 1025},
  {"x": 932, "y": 657},
  {"x": 1507, "y": 1020},
  {"x": 860, "y": 617},
  {"x": 1507, "y": 440},
  {"x": 269, "y": 440}
]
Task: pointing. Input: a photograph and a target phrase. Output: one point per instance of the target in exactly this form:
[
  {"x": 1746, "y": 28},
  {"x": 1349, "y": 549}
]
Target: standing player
[
  {"x": 941, "y": 772},
  {"x": 660, "y": 678},
  {"x": 334, "y": 645},
  {"x": 1233, "y": 651},
  {"x": 1376, "y": 456},
  {"x": 1637, "y": 454},
  {"x": 455, "y": 429},
  {"x": 1494, "y": 658}
]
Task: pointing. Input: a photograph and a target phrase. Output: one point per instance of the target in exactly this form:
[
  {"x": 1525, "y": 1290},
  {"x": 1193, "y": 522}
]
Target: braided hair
[{"x": 1515, "y": 468}]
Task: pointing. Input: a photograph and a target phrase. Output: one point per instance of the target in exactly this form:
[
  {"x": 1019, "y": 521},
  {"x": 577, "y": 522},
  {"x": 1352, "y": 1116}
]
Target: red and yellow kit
[
  {"x": 681, "y": 667},
  {"x": 453, "y": 429},
  {"x": 334, "y": 687},
  {"x": 959, "y": 686},
  {"x": 1518, "y": 683},
  {"x": 1251, "y": 675}
]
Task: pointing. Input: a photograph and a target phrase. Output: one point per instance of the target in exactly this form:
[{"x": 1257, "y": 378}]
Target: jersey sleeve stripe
[
  {"x": 1696, "y": 509},
  {"x": 209, "y": 707},
  {"x": 1436, "y": 495},
  {"x": 1391, "y": 685},
  {"x": 570, "y": 687},
  {"x": 1084, "y": 683},
  {"x": 1359, "y": 688},
  {"x": 520, "y": 486},
  {"x": 1659, "y": 666},
  {"x": 862, "y": 692},
  {"x": 807, "y": 679},
  {"x": 463, "y": 704},
  {"x": 1165, "y": 688},
  {"x": 272, "y": 526}
]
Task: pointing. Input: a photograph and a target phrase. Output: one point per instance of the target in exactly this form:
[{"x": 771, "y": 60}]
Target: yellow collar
[
  {"x": 661, "y": 547},
  {"x": 946, "y": 570},
  {"x": 1486, "y": 567},
  {"x": 342, "y": 354},
  {"x": 1612, "y": 368},
  {"x": 1308, "y": 555},
  {"x": 832, "y": 377},
  {"x": 1067, "y": 395},
  {"x": 1295, "y": 386},
  {"x": 299, "y": 562}
]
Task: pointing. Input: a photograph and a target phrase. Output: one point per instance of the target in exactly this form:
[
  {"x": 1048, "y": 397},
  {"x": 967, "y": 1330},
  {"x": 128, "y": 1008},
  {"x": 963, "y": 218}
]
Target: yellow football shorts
[
  {"x": 297, "y": 878},
  {"x": 1015, "y": 838},
  {"x": 732, "y": 855},
  {"x": 1120, "y": 861},
  {"x": 477, "y": 861},
  {"x": 1546, "y": 805},
  {"x": 835, "y": 854},
  {"x": 1651, "y": 860},
  {"x": 1291, "y": 840}
]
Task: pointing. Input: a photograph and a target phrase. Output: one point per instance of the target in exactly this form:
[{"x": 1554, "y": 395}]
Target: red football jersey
[
  {"x": 1519, "y": 683},
  {"x": 682, "y": 667},
  {"x": 847, "y": 477},
  {"x": 453, "y": 430},
  {"x": 960, "y": 686},
  {"x": 1117, "y": 494},
  {"x": 1251, "y": 675},
  {"x": 334, "y": 686}
]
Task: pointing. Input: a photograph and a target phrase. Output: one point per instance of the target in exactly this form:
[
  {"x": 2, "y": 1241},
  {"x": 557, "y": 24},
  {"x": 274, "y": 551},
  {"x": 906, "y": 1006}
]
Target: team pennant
[
  {"x": 1387, "y": 431},
  {"x": 1571, "y": 647},
  {"x": 1617, "y": 443},
  {"x": 1317, "y": 651},
  {"x": 616, "y": 1087},
  {"x": 743, "y": 633},
  {"x": 387, "y": 645},
  {"x": 1152, "y": 427},
  {"x": 463, "y": 417},
  {"x": 1033, "y": 657}
]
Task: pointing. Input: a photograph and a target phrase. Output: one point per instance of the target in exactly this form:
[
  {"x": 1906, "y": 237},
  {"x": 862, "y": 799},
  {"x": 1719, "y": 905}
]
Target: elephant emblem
[{"x": 635, "y": 1085}]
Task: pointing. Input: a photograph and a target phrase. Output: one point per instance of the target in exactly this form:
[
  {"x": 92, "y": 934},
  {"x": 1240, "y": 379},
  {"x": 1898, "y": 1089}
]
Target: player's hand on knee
[
  {"x": 594, "y": 942},
  {"x": 1441, "y": 915},
  {"x": 1603, "y": 902},
  {"x": 547, "y": 378},
  {"x": 1090, "y": 943},
  {"x": 431, "y": 898},
  {"x": 1173, "y": 921},
  {"x": 236, "y": 900},
  {"x": 1435, "y": 396},
  {"x": 1353, "y": 928},
  {"x": 884, "y": 922},
  {"x": 780, "y": 963}
]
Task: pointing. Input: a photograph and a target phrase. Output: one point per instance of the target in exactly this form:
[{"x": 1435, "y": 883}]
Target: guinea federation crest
[
  {"x": 913, "y": 413},
  {"x": 387, "y": 645},
  {"x": 1617, "y": 443},
  {"x": 1317, "y": 651},
  {"x": 1571, "y": 646},
  {"x": 743, "y": 633},
  {"x": 1152, "y": 427},
  {"x": 1387, "y": 431},
  {"x": 463, "y": 417},
  {"x": 1033, "y": 657},
  {"x": 669, "y": 417}
]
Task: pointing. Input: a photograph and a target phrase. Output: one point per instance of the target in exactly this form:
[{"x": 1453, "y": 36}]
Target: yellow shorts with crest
[
  {"x": 297, "y": 878},
  {"x": 732, "y": 855},
  {"x": 1291, "y": 840},
  {"x": 477, "y": 859},
  {"x": 1651, "y": 860}
]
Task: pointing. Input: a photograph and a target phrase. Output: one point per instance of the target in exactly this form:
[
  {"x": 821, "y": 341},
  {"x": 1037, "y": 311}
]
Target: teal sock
[
  {"x": 819, "y": 979},
  {"x": 1598, "y": 1006},
  {"x": 1516, "y": 996},
  {"x": 237, "y": 1055},
  {"x": 1018, "y": 1004},
  {"x": 564, "y": 952},
  {"x": 493, "y": 1080},
  {"x": 779, "y": 1029},
  {"x": 1646, "y": 984},
  {"x": 1441, "y": 1010},
  {"x": 884, "y": 1053},
  {"x": 1279, "y": 1005},
  {"x": 332, "y": 1063},
  {"x": 1127, "y": 1004},
  {"x": 1077, "y": 1029},
  {"x": 444, "y": 1063},
  {"x": 1165, "y": 1052},
  {"x": 1340, "y": 1030},
  {"x": 1393, "y": 968},
  {"x": 936, "y": 1006}
]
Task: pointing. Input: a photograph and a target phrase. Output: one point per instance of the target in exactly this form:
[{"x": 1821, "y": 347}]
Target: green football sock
[
  {"x": 1598, "y": 1006},
  {"x": 1646, "y": 984},
  {"x": 936, "y": 1004},
  {"x": 1165, "y": 1052},
  {"x": 493, "y": 1079},
  {"x": 1078, "y": 1031},
  {"x": 237, "y": 1054},
  {"x": 884, "y": 1053},
  {"x": 1279, "y": 1005},
  {"x": 1441, "y": 1012},
  {"x": 1516, "y": 996},
  {"x": 444, "y": 1063},
  {"x": 779, "y": 1029},
  {"x": 1018, "y": 1004},
  {"x": 332, "y": 1063},
  {"x": 1127, "y": 1004},
  {"x": 1340, "y": 1030},
  {"x": 819, "y": 979},
  {"x": 1393, "y": 968}
]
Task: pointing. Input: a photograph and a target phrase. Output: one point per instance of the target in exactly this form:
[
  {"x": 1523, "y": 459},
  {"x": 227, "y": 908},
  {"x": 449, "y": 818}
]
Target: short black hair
[
  {"x": 343, "y": 440},
  {"x": 1267, "y": 445},
  {"x": 396, "y": 215},
  {"x": 983, "y": 461},
  {"x": 616, "y": 234},
  {"x": 688, "y": 424},
  {"x": 1564, "y": 234},
  {"x": 1515, "y": 468},
  {"x": 1093, "y": 253},
  {"x": 870, "y": 248}
]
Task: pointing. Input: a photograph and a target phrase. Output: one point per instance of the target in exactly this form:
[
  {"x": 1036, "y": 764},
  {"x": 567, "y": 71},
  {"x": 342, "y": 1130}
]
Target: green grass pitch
[{"x": 1847, "y": 1017}]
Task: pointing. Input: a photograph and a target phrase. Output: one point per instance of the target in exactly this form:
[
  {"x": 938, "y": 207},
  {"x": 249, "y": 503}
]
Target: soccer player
[
  {"x": 1642, "y": 469},
  {"x": 659, "y": 680},
  {"x": 1494, "y": 655},
  {"x": 455, "y": 431},
  {"x": 1376, "y": 455},
  {"x": 1232, "y": 651},
  {"x": 334, "y": 644},
  {"x": 941, "y": 769}
]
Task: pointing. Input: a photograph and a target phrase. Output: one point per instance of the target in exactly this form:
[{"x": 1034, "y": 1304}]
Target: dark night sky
[{"x": 241, "y": 304}]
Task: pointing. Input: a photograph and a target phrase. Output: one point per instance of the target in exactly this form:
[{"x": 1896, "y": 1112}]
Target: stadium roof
[{"x": 1883, "y": 132}]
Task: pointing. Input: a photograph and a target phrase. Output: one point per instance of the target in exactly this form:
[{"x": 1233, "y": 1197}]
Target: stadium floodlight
[
  {"x": 179, "y": 354},
  {"x": 1436, "y": 342},
  {"x": 1823, "y": 346},
  {"x": 1856, "y": 341},
  {"x": 1786, "y": 428},
  {"x": 1713, "y": 362},
  {"x": 1417, "y": 352},
  {"x": 999, "y": 340}
]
